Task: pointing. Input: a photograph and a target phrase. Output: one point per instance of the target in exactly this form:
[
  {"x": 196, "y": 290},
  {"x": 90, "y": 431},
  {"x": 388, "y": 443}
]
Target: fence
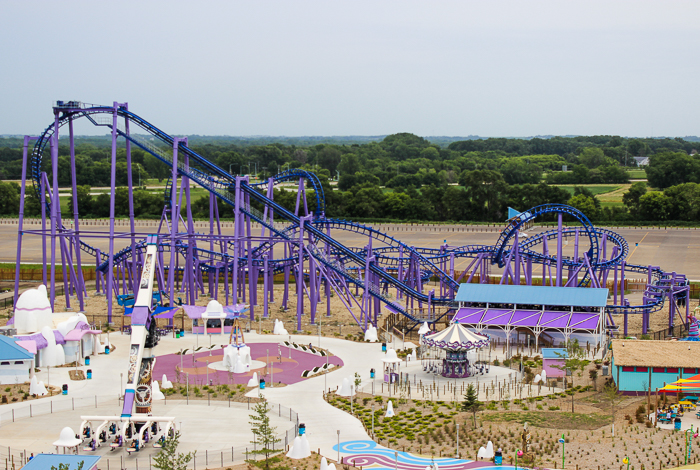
[{"x": 15, "y": 458}]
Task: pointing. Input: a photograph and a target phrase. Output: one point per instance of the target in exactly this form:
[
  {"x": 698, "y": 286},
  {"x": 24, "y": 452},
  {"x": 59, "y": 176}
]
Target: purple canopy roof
[
  {"x": 527, "y": 318},
  {"x": 456, "y": 337}
]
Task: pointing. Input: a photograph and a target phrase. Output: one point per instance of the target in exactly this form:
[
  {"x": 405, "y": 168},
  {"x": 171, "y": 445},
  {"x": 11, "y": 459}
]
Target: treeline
[{"x": 401, "y": 177}]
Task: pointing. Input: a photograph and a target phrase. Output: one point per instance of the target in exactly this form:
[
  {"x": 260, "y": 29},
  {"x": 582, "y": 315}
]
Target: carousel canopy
[{"x": 456, "y": 337}]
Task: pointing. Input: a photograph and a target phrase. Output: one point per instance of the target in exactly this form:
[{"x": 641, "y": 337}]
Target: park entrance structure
[
  {"x": 382, "y": 275},
  {"x": 456, "y": 341}
]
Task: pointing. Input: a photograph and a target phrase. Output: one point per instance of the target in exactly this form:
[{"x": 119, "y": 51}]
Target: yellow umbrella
[{"x": 685, "y": 402}]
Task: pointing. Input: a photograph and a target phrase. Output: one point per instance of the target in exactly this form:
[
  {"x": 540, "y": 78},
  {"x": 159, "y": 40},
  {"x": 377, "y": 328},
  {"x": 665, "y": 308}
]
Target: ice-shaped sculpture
[
  {"x": 435, "y": 466},
  {"x": 544, "y": 375},
  {"x": 489, "y": 450},
  {"x": 68, "y": 325},
  {"x": 33, "y": 311},
  {"x": 67, "y": 438},
  {"x": 157, "y": 394},
  {"x": 481, "y": 454},
  {"x": 36, "y": 387},
  {"x": 346, "y": 389},
  {"x": 324, "y": 464},
  {"x": 390, "y": 410},
  {"x": 390, "y": 356},
  {"x": 253, "y": 382},
  {"x": 371, "y": 334},
  {"x": 300, "y": 448},
  {"x": 331, "y": 466},
  {"x": 536, "y": 379},
  {"x": 424, "y": 328},
  {"x": 52, "y": 354},
  {"x": 165, "y": 383},
  {"x": 232, "y": 354},
  {"x": 279, "y": 328},
  {"x": 239, "y": 368}
]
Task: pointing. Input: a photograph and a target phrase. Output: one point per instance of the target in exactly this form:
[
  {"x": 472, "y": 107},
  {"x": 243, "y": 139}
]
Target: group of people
[
  {"x": 134, "y": 445},
  {"x": 666, "y": 414}
]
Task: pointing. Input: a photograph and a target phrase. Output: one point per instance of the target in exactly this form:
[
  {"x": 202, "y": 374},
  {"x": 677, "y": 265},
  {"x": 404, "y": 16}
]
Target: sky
[{"x": 301, "y": 68}]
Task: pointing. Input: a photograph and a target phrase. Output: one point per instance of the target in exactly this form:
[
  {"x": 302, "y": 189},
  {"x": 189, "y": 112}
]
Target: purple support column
[
  {"x": 516, "y": 269},
  {"x": 55, "y": 207},
  {"x": 174, "y": 223},
  {"x": 300, "y": 274},
  {"x": 110, "y": 269},
  {"x": 98, "y": 275},
  {"x": 134, "y": 274},
  {"x": 21, "y": 215},
  {"x": 44, "y": 184},
  {"x": 190, "y": 267},
  {"x": 236, "y": 237},
  {"x": 80, "y": 288},
  {"x": 266, "y": 312},
  {"x": 559, "y": 249}
]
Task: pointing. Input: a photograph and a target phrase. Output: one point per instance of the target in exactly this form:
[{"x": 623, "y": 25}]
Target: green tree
[
  {"x": 168, "y": 458},
  {"x": 613, "y": 397},
  {"x": 9, "y": 198},
  {"x": 574, "y": 358},
  {"x": 592, "y": 157},
  {"x": 654, "y": 206},
  {"x": 66, "y": 466},
  {"x": 631, "y": 197},
  {"x": 263, "y": 434},
  {"x": 585, "y": 204},
  {"x": 84, "y": 200},
  {"x": 471, "y": 403}
]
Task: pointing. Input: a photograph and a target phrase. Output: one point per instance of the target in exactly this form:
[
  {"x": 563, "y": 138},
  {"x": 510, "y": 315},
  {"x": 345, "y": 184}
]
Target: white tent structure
[{"x": 456, "y": 341}]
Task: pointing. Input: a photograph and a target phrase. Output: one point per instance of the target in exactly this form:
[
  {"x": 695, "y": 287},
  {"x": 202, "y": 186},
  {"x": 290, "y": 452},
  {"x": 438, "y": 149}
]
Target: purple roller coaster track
[{"x": 269, "y": 239}]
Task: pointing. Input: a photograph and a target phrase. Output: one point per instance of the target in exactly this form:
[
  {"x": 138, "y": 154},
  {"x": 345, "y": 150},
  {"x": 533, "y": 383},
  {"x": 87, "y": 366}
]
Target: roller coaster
[{"x": 269, "y": 239}]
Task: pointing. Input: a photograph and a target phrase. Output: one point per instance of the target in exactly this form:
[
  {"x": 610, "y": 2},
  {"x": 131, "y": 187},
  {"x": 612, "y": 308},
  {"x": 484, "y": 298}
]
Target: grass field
[
  {"x": 595, "y": 189},
  {"x": 637, "y": 174}
]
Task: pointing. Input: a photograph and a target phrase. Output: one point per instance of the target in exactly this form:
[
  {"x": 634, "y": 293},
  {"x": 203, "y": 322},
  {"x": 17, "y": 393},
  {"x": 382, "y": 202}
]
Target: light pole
[
  {"x": 121, "y": 380},
  {"x": 290, "y": 346},
  {"x": 396, "y": 460},
  {"x": 457, "y": 440},
  {"x": 320, "y": 322},
  {"x": 372, "y": 420},
  {"x": 562, "y": 441},
  {"x": 325, "y": 379},
  {"x": 229, "y": 168},
  {"x": 338, "y": 445}
]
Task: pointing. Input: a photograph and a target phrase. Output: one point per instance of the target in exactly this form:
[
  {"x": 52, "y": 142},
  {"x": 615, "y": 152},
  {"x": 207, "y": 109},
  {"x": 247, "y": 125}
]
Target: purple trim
[
  {"x": 59, "y": 337},
  {"x": 38, "y": 338}
]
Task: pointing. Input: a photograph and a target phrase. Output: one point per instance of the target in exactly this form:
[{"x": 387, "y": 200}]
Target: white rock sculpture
[
  {"x": 536, "y": 379},
  {"x": 254, "y": 382},
  {"x": 390, "y": 410},
  {"x": 33, "y": 311},
  {"x": 300, "y": 448},
  {"x": 371, "y": 334},
  {"x": 324, "y": 464},
  {"x": 53, "y": 354},
  {"x": 544, "y": 375},
  {"x": 424, "y": 328},
  {"x": 165, "y": 383},
  {"x": 155, "y": 391},
  {"x": 346, "y": 389},
  {"x": 279, "y": 329}
]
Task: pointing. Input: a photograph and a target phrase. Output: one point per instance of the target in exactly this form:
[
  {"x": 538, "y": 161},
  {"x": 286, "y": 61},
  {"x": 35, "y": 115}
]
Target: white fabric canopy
[{"x": 456, "y": 337}]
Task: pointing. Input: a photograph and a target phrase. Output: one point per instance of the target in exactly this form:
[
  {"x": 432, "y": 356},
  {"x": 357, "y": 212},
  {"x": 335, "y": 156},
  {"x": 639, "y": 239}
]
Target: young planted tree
[
  {"x": 263, "y": 434},
  {"x": 471, "y": 402},
  {"x": 612, "y": 395},
  {"x": 574, "y": 358},
  {"x": 168, "y": 458}
]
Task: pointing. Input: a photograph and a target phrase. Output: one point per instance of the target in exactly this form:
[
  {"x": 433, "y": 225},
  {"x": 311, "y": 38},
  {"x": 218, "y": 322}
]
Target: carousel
[{"x": 456, "y": 341}]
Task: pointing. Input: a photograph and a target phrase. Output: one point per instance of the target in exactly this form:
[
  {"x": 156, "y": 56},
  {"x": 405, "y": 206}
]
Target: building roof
[
  {"x": 554, "y": 353},
  {"x": 647, "y": 353},
  {"x": 11, "y": 351},
  {"x": 45, "y": 461},
  {"x": 533, "y": 295}
]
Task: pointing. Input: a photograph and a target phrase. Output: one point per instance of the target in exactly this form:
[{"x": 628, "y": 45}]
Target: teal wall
[{"x": 637, "y": 379}]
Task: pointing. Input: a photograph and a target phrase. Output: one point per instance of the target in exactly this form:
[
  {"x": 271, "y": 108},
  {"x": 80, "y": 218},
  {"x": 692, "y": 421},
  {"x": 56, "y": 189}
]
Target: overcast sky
[{"x": 492, "y": 68}]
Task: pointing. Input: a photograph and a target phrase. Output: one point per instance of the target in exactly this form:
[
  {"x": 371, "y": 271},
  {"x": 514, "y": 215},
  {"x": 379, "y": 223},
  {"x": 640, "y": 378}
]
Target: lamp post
[
  {"x": 457, "y": 440},
  {"x": 396, "y": 460},
  {"x": 290, "y": 346},
  {"x": 320, "y": 322},
  {"x": 338, "y": 445},
  {"x": 562, "y": 441},
  {"x": 372, "y": 420},
  {"x": 229, "y": 168},
  {"x": 121, "y": 380}
]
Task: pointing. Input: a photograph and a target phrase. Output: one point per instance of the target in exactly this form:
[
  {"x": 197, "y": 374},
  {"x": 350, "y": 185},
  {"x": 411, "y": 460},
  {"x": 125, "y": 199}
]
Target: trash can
[
  {"x": 677, "y": 424},
  {"x": 107, "y": 349},
  {"x": 87, "y": 360},
  {"x": 262, "y": 384},
  {"x": 65, "y": 389},
  {"x": 302, "y": 429},
  {"x": 182, "y": 332},
  {"x": 371, "y": 373},
  {"x": 89, "y": 374},
  {"x": 498, "y": 459},
  {"x": 605, "y": 371},
  {"x": 383, "y": 347}
]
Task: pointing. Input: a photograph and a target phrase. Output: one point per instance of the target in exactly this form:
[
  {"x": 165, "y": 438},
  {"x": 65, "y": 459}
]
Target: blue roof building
[{"x": 45, "y": 461}]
